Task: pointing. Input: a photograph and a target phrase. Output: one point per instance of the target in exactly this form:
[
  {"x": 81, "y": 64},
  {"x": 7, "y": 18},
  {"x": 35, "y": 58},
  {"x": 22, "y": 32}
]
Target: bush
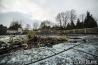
[{"x": 31, "y": 34}]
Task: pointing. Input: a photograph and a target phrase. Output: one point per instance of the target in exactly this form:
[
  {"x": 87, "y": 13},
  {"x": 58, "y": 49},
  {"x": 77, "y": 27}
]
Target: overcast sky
[{"x": 46, "y": 9}]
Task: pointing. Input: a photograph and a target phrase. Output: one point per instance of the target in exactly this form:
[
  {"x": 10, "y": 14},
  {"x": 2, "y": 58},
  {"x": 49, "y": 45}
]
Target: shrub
[{"x": 31, "y": 34}]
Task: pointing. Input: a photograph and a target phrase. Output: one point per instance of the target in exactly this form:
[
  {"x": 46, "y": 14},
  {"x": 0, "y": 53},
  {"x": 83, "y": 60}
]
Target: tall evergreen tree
[
  {"x": 72, "y": 25},
  {"x": 89, "y": 21},
  {"x": 15, "y": 25},
  {"x": 3, "y": 29},
  {"x": 68, "y": 26},
  {"x": 79, "y": 25}
]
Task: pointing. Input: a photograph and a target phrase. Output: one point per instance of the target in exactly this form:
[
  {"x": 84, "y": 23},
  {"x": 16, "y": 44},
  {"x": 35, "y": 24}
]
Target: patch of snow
[
  {"x": 34, "y": 54},
  {"x": 69, "y": 57}
]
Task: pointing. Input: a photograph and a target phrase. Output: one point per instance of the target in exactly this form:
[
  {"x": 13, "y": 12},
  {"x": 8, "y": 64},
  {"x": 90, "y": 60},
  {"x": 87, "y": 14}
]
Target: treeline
[
  {"x": 13, "y": 26},
  {"x": 68, "y": 20},
  {"x": 88, "y": 22},
  {"x": 65, "y": 20},
  {"x": 3, "y": 29}
]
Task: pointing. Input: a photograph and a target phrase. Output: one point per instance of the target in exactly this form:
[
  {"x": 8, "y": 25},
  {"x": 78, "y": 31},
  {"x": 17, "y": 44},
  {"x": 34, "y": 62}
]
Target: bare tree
[
  {"x": 62, "y": 18},
  {"x": 72, "y": 15},
  {"x": 72, "y": 18},
  {"x": 35, "y": 26},
  {"x": 82, "y": 17},
  {"x": 59, "y": 19},
  {"x": 27, "y": 27},
  {"x": 65, "y": 18}
]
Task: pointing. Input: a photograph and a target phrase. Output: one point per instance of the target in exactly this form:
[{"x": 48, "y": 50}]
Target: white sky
[{"x": 48, "y": 9}]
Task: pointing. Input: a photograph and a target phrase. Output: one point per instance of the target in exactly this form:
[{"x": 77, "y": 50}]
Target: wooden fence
[{"x": 83, "y": 31}]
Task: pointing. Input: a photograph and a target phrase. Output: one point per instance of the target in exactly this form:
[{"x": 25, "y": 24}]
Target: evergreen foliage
[
  {"x": 15, "y": 25},
  {"x": 3, "y": 30},
  {"x": 89, "y": 21}
]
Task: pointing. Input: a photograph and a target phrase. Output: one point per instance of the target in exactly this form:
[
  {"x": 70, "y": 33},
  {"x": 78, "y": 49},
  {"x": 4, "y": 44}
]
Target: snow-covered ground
[{"x": 69, "y": 57}]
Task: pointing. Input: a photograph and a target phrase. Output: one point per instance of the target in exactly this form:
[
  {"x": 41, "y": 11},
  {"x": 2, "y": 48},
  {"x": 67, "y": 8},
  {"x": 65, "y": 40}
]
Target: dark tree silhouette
[
  {"x": 68, "y": 26},
  {"x": 72, "y": 25},
  {"x": 3, "y": 29},
  {"x": 59, "y": 19},
  {"x": 72, "y": 18},
  {"x": 72, "y": 15},
  {"x": 79, "y": 25},
  {"x": 45, "y": 24},
  {"x": 89, "y": 21},
  {"x": 15, "y": 25}
]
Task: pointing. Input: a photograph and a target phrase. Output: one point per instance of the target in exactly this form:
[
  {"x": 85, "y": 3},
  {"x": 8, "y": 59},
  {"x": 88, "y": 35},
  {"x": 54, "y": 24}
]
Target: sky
[{"x": 38, "y": 10}]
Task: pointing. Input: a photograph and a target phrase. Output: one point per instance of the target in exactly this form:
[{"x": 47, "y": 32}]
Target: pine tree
[
  {"x": 68, "y": 26},
  {"x": 79, "y": 25},
  {"x": 89, "y": 21},
  {"x": 72, "y": 25},
  {"x": 15, "y": 25},
  {"x": 3, "y": 29}
]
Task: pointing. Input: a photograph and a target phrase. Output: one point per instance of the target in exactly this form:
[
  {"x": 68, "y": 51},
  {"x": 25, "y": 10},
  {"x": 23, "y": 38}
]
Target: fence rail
[{"x": 83, "y": 31}]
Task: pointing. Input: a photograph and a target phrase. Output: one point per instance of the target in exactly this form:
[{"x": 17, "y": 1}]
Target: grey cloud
[{"x": 55, "y": 6}]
